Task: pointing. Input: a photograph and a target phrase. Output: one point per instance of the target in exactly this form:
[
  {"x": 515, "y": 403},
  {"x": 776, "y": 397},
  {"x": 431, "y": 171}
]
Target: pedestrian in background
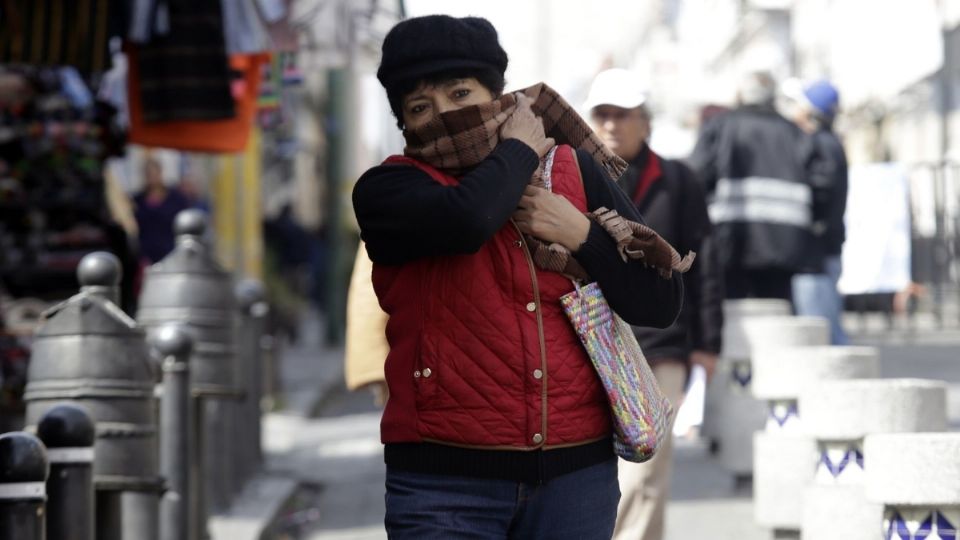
[
  {"x": 756, "y": 167},
  {"x": 671, "y": 200},
  {"x": 815, "y": 293},
  {"x": 496, "y": 424},
  {"x": 156, "y": 207}
]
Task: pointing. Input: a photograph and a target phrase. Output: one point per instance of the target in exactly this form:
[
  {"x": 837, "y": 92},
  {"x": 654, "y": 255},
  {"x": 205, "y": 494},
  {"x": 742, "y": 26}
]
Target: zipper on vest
[{"x": 543, "y": 341}]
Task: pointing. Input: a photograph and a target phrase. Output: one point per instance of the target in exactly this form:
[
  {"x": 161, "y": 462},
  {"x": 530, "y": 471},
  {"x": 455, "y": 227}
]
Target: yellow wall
[{"x": 237, "y": 211}]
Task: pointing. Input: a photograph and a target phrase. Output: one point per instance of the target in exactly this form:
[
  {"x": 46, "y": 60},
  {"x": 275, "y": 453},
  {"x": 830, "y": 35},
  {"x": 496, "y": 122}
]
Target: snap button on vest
[
  {"x": 538, "y": 438},
  {"x": 531, "y": 306}
]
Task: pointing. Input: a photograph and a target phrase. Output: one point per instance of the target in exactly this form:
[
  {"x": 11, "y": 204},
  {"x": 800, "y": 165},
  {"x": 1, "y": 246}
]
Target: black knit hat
[{"x": 423, "y": 45}]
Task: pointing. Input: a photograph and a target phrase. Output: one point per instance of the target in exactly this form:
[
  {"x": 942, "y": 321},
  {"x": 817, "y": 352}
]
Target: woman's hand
[
  {"x": 526, "y": 127},
  {"x": 551, "y": 218}
]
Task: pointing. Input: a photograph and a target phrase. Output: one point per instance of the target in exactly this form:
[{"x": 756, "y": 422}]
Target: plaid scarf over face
[{"x": 456, "y": 141}]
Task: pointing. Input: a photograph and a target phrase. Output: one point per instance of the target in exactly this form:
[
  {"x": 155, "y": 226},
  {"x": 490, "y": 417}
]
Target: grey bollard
[
  {"x": 189, "y": 287},
  {"x": 68, "y": 433},
  {"x": 176, "y": 432},
  {"x": 23, "y": 472},
  {"x": 141, "y": 515},
  {"x": 90, "y": 353},
  {"x": 253, "y": 308}
]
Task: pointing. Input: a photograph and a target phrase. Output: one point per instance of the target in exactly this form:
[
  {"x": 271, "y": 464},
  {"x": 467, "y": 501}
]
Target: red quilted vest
[{"x": 481, "y": 353}]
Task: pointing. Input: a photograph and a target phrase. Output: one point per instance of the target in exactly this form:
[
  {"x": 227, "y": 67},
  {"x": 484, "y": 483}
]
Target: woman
[{"x": 496, "y": 424}]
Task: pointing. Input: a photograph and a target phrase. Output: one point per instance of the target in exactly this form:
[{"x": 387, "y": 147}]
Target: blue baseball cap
[{"x": 823, "y": 97}]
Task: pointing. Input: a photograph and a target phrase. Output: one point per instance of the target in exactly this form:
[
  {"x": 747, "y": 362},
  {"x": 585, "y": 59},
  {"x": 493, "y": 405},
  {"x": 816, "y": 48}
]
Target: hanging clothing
[
  {"x": 148, "y": 18},
  {"x": 184, "y": 75},
  {"x": 226, "y": 135},
  {"x": 242, "y": 28},
  {"x": 59, "y": 32}
]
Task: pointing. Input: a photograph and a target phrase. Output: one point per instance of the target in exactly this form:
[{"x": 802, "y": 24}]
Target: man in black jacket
[
  {"x": 757, "y": 169},
  {"x": 816, "y": 293},
  {"x": 671, "y": 201}
]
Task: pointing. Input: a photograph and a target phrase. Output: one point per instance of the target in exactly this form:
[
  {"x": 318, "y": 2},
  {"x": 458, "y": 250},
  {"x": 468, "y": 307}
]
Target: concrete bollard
[
  {"x": 736, "y": 341},
  {"x": 838, "y": 415},
  {"x": 727, "y": 396},
  {"x": 762, "y": 334},
  {"x": 785, "y": 457},
  {"x": 176, "y": 432},
  {"x": 780, "y": 375},
  {"x": 23, "y": 473},
  {"x": 784, "y": 465},
  {"x": 916, "y": 477},
  {"x": 850, "y": 410},
  {"x": 785, "y": 332},
  {"x": 69, "y": 434}
]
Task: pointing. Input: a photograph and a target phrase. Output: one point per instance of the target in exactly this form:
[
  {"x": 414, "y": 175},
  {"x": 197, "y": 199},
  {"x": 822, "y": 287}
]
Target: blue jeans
[
  {"x": 579, "y": 505},
  {"x": 817, "y": 295}
]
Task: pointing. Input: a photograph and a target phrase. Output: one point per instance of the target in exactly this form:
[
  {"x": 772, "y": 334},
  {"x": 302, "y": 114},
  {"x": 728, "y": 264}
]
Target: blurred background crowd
[{"x": 100, "y": 150}]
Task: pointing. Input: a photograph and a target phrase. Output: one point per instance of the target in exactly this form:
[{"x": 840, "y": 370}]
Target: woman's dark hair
[{"x": 491, "y": 79}]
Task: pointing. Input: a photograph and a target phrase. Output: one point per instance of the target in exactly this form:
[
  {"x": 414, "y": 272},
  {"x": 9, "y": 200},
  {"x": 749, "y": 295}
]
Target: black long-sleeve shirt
[
  {"x": 405, "y": 215},
  {"x": 673, "y": 203}
]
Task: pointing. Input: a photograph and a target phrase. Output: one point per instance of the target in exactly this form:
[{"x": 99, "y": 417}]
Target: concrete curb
[{"x": 255, "y": 509}]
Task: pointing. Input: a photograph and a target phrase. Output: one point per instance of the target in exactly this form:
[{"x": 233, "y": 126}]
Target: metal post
[
  {"x": 217, "y": 448},
  {"x": 198, "y": 462},
  {"x": 269, "y": 385},
  {"x": 176, "y": 432},
  {"x": 141, "y": 515},
  {"x": 259, "y": 313},
  {"x": 68, "y": 433},
  {"x": 109, "y": 519},
  {"x": 23, "y": 472},
  {"x": 253, "y": 310},
  {"x": 342, "y": 165}
]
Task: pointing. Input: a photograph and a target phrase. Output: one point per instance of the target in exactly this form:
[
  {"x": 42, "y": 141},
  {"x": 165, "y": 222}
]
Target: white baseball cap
[{"x": 618, "y": 87}]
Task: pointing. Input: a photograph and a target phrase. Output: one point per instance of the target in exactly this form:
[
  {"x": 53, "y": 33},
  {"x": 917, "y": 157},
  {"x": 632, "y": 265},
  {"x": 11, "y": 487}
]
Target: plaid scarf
[{"x": 459, "y": 140}]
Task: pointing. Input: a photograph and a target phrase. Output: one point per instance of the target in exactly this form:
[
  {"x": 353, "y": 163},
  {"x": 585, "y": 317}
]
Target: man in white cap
[{"x": 671, "y": 201}]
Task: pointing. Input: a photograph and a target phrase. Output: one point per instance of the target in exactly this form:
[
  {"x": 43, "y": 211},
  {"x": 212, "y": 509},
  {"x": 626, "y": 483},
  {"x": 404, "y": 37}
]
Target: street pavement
[{"x": 326, "y": 439}]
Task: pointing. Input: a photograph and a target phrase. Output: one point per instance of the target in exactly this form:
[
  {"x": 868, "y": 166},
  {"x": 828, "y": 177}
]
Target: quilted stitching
[{"x": 482, "y": 346}]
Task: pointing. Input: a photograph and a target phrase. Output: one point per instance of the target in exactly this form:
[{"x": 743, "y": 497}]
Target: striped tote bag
[{"x": 640, "y": 411}]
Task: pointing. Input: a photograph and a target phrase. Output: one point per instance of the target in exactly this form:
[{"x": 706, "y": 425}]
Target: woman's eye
[
  {"x": 417, "y": 109},
  {"x": 461, "y": 93}
]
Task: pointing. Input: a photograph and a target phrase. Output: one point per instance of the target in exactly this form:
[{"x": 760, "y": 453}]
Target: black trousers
[{"x": 772, "y": 283}]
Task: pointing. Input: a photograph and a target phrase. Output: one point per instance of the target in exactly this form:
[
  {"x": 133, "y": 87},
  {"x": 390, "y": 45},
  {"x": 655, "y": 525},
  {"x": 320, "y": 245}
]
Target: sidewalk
[{"x": 308, "y": 373}]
